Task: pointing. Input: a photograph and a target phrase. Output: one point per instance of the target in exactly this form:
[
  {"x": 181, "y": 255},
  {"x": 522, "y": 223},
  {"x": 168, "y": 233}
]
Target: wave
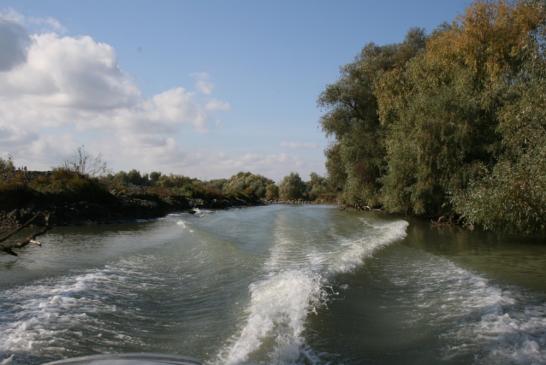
[
  {"x": 294, "y": 286},
  {"x": 48, "y": 317},
  {"x": 494, "y": 325},
  {"x": 487, "y": 323}
]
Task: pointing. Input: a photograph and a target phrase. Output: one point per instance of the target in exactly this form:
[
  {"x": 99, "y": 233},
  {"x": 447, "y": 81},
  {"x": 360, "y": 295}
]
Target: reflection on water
[{"x": 277, "y": 284}]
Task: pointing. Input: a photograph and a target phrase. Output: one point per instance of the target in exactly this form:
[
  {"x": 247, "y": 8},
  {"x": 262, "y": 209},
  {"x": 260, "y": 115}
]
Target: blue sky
[{"x": 266, "y": 62}]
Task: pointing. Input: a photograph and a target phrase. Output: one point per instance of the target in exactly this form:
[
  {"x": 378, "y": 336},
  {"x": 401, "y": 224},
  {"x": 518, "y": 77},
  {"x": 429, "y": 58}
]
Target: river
[{"x": 277, "y": 285}]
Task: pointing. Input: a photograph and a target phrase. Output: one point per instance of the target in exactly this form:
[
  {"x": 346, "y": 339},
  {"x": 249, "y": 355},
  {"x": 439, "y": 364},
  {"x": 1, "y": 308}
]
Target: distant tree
[
  {"x": 317, "y": 187},
  {"x": 217, "y": 185},
  {"x": 135, "y": 178},
  {"x": 85, "y": 163},
  {"x": 247, "y": 185},
  {"x": 292, "y": 187},
  {"x": 272, "y": 192},
  {"x": 154, "y": 177},
  {"x": 7, "y": 167}
]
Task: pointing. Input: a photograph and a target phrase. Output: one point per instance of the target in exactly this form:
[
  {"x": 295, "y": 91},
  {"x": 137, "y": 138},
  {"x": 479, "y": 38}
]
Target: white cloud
[
  {"x": 217, "y": 105},
  {"x": 209, "y": 164},
  {"x": 203, "y": 83},
  {"x": 299, "y": 145},
  {"x": 57, "y": 92},
  {"x": 14, "y": 41},
  {"x": 47, "y": 24}
]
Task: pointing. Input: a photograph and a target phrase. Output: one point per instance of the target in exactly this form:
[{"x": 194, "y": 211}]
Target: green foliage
[
  {"x": 357, "y": 159},
  {"x": 513, "y": 193},
  {"x": 449, "y": 124},
  {"x": 292, "y": 188},
  {"x": 248, "y": 185},
  {"x": 70, "y": 185},
  {"x": 7, "y": 168},
  {"x": 272, "y": 192},
  {"x": 318, "y": 188}
]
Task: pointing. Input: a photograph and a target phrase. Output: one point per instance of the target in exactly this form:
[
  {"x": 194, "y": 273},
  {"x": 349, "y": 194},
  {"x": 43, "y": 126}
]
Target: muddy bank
[{"x": 108, "y": 209}]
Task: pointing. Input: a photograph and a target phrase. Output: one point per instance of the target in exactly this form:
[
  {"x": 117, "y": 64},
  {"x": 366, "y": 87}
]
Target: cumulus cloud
[
  {"x": 47, "y": 24},
  {"x": 57, "y": 92},
  {"x": 208, "y": 164},
  {"x": 14, "y": 42}
]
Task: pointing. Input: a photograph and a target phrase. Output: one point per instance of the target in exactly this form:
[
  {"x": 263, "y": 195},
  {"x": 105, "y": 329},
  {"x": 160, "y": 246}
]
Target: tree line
[
  {"x": 86, "y": 177},
  {"x": 449, "y": 124}
]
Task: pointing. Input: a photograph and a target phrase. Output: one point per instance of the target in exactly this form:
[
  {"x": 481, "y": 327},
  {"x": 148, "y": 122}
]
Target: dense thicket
[
  {"x": 83, "y": 190},
  {"x": 450, "y": 124}
]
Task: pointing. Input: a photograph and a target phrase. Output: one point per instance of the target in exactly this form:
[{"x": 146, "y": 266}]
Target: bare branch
[
  {"x": 20, "y": 228},
  {"x": 86, "y": 164},
  {"x": 8, "y": 248}
]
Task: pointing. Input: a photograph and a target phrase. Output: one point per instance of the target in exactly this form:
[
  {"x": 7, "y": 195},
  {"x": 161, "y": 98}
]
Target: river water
[{"x": 277, "y": 285}]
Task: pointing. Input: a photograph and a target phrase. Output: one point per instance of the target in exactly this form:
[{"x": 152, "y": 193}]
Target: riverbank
[
  {"x": 69, "y": 197},
  {"x": 118, "y": 208}
]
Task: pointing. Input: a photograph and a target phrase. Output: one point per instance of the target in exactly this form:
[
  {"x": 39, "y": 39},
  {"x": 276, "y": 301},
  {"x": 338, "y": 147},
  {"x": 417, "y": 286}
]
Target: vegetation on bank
[
  {"x": 451, "y": 124},
  {"x": 84, "y": 190}
]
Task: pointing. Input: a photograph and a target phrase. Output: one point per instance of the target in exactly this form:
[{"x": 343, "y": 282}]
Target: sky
[{"x": 192, "y": 87}]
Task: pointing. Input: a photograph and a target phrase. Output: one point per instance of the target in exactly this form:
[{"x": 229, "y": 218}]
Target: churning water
[{"x": 277, "y": 285}]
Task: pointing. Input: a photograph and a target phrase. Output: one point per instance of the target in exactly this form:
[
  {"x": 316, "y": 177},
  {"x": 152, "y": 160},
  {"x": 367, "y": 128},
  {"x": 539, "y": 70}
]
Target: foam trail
[
  {"x": 294, "y": 287},
  {"x": 279, "y": 304},
  {"x": 490, "y": 324},
  {"x": 43, "y": 309},
  {"x": 354, "y": 251},
  {"x": 46, "y": 317}
]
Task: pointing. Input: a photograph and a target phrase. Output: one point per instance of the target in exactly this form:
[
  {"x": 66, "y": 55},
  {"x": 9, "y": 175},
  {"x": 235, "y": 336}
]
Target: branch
[
  {"x": 8, "y": 248},
  {"x": 20, "y": 228}
]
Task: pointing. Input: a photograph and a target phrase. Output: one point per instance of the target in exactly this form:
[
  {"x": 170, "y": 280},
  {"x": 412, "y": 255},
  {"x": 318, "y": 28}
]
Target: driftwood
[{"x": 8, "y": 247}]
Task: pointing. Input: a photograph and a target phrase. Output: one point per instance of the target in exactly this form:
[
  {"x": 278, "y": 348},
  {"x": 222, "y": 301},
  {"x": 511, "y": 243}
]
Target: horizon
[{"x": 227, "y": 88}]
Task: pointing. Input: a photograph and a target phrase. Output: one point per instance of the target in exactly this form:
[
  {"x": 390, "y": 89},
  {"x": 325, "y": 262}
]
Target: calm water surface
[{"x": 277, "y": 285}]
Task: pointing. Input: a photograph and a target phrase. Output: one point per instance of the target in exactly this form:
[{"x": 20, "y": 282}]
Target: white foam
[
  {"x": 201, "y": 212},
  {"x": 493, "y": 325},
  {"x": 7, "y": 361},
  {"x": 42, "y": 317},
  {"x": 278, "y": 308},
  {"x": 295, "y": 285},
  {"x": 42, "y": 310},
  {"x": 355, "y": 250},
  {"x": 511, "y": 335}
]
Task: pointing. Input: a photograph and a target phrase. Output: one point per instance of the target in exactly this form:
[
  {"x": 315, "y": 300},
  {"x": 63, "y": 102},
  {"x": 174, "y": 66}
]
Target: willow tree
[
  {"x": 352, "y": 119},
  {"x": 246, "y": 184},
  {"x": 443, "y": 109},
  {"x": 512, "y": 192},
  {"x": 451, "y": 124},
  {"x": 292, "y": 187}
]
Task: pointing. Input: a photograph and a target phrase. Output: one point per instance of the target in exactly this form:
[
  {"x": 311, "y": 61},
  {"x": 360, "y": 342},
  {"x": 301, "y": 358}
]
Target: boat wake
[
  {"x": 56, "y": 316},
  {"x": 484, "y": 323},
  {"x": 295, "y": 285}
]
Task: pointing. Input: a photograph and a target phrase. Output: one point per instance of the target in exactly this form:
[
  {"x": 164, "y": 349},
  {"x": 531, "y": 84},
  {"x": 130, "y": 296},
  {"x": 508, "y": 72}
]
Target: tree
[
  {"x": 512, "y": 193},
  {"x": 356, "y": 160},
  {"x": 84, "y": 163},
  {"x": 135, "y": 178},
  {"x": 154, "y": 177},
  {"x": 292, "y": 187},
  {"x": 450, "y": 124},
  {"x": 246, "y": 184},
  {"x": 317, "y": 187},
  {"x": 272, "y": 192}
]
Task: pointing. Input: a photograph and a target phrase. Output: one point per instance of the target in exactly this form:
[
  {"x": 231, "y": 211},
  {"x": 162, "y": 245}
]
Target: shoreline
[{"x": 124, "y": 209}]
